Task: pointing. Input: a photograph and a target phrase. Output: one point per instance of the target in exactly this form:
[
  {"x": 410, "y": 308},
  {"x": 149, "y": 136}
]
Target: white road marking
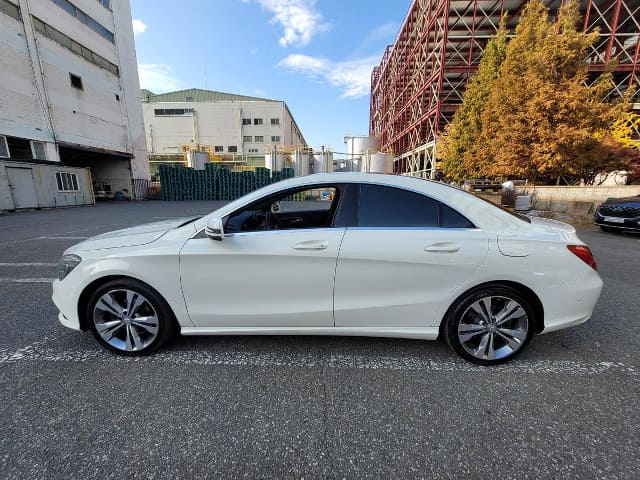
[
  {"x": 337, "y": 361},
  {"x": 60, "y": 238},
  {"x": 28, "y": 264},
  {"x": 27, "y": 280}
]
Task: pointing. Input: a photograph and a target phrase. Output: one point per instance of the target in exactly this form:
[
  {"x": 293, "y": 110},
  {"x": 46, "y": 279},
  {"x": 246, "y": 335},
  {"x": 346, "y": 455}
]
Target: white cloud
[
  {"x": 386, "y": 31},
  {"x": 352, "y": 77},
  {"x": 299, "y": 19},
  {"x": 158, "y": 78},
  {"x": 138, "y": 26}
]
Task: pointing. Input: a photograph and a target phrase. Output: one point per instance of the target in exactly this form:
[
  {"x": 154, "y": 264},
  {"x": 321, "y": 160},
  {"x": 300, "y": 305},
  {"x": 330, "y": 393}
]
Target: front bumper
[
  {"x": 66, "y": 301},
  {"x": 620, "y": 223}
]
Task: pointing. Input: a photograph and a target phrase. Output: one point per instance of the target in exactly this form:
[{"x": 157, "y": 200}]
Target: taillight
[{"x": 583, "y": 253}]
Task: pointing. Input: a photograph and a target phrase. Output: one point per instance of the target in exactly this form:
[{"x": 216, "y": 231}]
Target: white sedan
[{"x": 335, "y": 254}]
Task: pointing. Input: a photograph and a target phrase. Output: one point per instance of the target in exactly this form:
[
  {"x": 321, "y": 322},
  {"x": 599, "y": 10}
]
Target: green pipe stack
[{"x": 213, "y": 183}]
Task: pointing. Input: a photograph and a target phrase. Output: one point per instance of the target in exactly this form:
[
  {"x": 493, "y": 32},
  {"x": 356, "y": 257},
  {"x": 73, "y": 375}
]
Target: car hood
[{"x": 132, "y": 236}]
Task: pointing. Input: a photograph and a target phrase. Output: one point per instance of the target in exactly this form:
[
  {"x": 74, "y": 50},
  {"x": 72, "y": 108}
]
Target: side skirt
[{"x": 426, "y": 333}]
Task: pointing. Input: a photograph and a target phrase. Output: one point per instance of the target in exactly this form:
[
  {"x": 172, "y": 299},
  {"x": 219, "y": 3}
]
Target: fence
[{"x": 214, "y": 183}]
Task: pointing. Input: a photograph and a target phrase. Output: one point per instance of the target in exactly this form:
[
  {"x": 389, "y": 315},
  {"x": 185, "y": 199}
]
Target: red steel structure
[{"x": 421, "y": 79}]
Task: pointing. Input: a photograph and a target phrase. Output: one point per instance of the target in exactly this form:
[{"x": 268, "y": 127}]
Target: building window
[
  {"x": 69, "y": 7},
  {"x": 67, "y": 182},
  {"x": 275, "y": 138},
  {"x": 117, "y": 97},
  {"x": 10, "y": 9},
  {"x": 173, "y": 112},
  {"x": 246, "y": 121},
  {"x": 70, "y": 44},
  {"x": 38, "y": 150},
  {"x": 253, "y": 150},
  {"x": 247, "y": 139},
  {"x": 189, "y": 98},
  {"x": 257, "y": 121},
  {"x": 232, "y": 149},
  {"x": 105, "y": 3},
  {"x": 76, "y": 81},
  {"x": 259, "y": 139},
  {"x": 4, "y": 147},
  {"x": 275, "y": 121},
  {"x": 218, "y": 148}
]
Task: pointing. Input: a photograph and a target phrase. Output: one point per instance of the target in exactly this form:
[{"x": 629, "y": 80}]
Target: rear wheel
[
  {"x": 490, "y": 326},
  {"x": 129, "y": 317}
]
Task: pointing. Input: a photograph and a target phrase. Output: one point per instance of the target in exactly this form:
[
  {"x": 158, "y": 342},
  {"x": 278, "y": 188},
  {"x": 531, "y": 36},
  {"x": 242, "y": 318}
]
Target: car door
[
  {"x": 263, "y": 276},
  {"x": 404, "y": 261}
]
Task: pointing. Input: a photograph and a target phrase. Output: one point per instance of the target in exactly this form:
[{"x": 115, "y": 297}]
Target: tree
[
  {"x": 459, "y": 136},
  {"x": 541, "y": 119}
]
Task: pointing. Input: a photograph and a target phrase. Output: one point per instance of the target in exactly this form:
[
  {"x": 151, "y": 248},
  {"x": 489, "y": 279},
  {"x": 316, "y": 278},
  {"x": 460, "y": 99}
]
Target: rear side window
[
  {"x": 449, "y": 218},
  {"x": 391, "y": 207},
  {"x": 382, "y": 206}
]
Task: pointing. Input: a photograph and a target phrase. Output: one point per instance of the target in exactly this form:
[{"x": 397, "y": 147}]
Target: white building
[
  {"x": 70, "y": 110},
  {"x": 235, "y": 129}
]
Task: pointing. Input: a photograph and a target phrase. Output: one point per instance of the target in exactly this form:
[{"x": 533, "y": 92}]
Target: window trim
[
  {"x": 3, "y": 139},
  {"x": 59, "y": 181},
  {"x": 33, "y": 150}
]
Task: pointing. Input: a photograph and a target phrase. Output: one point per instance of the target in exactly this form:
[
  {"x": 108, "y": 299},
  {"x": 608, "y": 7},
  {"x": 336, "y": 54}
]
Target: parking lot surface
[{"x": 312, "y": 407}]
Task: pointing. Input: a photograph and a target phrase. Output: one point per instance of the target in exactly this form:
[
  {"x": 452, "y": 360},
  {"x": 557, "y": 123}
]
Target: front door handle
[
  {"x": 312, "y": 245},
  {"x": 443, "y": 247}
]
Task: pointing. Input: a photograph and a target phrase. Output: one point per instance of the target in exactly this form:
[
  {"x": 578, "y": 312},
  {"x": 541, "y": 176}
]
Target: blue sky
[{"x": 316, "y": 55}]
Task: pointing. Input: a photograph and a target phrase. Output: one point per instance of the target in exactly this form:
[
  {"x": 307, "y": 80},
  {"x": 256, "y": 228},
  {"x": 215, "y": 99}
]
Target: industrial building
[
  {"x": 421, "y": 79},
  {"x": 235, "y": 131},
  {"x": 70, "y": 115}
]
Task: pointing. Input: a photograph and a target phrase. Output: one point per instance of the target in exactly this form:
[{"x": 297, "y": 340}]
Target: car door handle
[
  {"x": 312, "y": 245},
  {"x": 443, "y": 247}
]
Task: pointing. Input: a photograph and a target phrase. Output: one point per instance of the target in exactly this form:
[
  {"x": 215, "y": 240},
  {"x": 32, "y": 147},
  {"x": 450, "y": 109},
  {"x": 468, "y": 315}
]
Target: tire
[
  {"x": 130, "y": 318},
  {"x": 609, "y": 229},
  {"x": 489, "y": 339}
]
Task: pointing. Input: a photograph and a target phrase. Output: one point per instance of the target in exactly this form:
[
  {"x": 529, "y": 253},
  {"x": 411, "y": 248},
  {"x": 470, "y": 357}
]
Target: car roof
[{"x": 483, "y": 214}]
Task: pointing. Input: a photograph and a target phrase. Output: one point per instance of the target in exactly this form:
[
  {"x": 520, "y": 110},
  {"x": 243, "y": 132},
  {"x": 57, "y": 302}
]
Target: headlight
[{"x": 67, "y": 263}]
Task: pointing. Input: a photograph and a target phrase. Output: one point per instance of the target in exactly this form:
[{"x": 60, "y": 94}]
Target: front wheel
[
  {"x": 129, "y": 317},
  {"x": 490, "y": 326}
]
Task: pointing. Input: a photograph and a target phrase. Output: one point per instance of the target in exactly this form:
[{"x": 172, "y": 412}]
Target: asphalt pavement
[{"x": 305, "y": 407}]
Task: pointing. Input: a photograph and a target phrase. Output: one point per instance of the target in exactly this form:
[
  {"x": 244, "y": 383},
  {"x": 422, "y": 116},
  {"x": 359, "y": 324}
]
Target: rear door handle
[
  {"x": 443, "y": 247},
  {"x": 312, "y": 245}
]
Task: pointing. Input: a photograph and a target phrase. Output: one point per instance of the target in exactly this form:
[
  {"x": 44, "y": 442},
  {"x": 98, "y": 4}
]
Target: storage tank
[
  {"x": 381, "y": 163},
  {"x": 274, "y": 161},
  {"x": 358, "y": 145},
  {"x": 323, "y": 162},
  {"x": 300, "y": 162}
]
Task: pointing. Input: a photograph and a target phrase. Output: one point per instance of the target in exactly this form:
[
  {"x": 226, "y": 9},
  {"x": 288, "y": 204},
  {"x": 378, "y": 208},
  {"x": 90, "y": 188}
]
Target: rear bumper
[{"x": 571, "y": 303}]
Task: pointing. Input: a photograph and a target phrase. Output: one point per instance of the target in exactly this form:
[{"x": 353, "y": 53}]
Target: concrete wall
[
  {"x": 544, "y": 197},
  {"x": 218, "y": 123},
  {"x": 44, "y": 177}
]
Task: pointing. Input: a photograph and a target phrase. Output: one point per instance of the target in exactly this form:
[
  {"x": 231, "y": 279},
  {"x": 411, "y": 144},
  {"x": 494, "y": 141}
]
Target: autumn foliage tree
[
  {"x": 541, "y": 119},
  {"x": 459, "y": 136}
]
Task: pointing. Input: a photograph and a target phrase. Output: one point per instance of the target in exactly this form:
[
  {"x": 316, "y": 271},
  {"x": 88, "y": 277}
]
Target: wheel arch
[
  {"x": 523, "y": 290},
  {"x": 83, "y": 300}
]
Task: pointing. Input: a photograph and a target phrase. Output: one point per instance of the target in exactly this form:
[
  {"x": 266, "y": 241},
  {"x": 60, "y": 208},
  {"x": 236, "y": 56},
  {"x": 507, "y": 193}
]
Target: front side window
[
  {"x": 293, "y": 209},
  {"x": 382, "y": 206}
]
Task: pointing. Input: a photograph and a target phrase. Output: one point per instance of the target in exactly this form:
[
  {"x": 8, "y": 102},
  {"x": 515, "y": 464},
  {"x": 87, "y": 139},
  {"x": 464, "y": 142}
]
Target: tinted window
[
  {"x": 449, "y": 218},
  {"x": 391, "y": 207}
]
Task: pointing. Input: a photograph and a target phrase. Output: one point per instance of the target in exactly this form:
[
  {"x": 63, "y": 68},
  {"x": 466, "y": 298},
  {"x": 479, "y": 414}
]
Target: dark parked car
[{"x": 618, "y": 214}]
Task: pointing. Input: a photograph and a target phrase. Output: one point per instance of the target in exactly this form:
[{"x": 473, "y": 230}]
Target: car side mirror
[{"x": 214, "y": 229}]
